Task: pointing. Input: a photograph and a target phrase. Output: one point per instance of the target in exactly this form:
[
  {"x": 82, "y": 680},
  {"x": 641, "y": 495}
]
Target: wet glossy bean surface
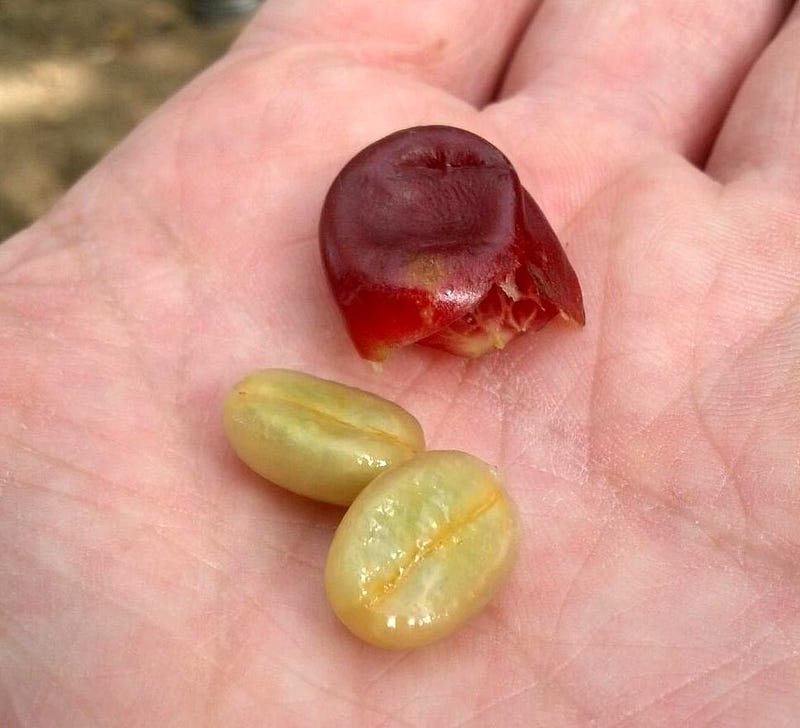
[
  {"x": 315, "y": 437},
  {"x": 421, "y": 550}
]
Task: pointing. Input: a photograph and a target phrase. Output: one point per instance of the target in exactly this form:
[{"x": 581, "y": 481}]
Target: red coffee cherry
[{"x": 428, "y": 237}]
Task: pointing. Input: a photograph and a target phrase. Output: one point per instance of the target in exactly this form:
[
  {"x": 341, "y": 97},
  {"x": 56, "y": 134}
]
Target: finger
[
  {"x": 461, "y": 46},
  {"x": 762, "y": 131},
  {"x": 661, "y": 72}
]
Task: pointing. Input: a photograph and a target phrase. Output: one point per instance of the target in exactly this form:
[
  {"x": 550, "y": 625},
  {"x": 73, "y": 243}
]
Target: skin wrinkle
[
  {"x": 158, "y": 531},
  {"x": 714, "y": 719},
  {"x": 389, "y": 666},
  {"x": 543, "y": 475},
  {"x": 473, "y": 379},
  {"x": 121, "y": 315},
  {"x": 764, "y": 161},
  {"x": 184, "y": 251},
  {"x": 733, "y": 461},
  {"x": 163, "y": 535},
  {"x": 567, "y": 696},
  {"x": 794, "y": 114},
  {"x": 50, "y": 680},
  {"x": 500, "y": 625},
  {"x": 54, "y": 460},
  {"x": 567, "y": 443},
  {"x": 384, "y": 55},
  {"x": 526, "y": 659},
  {"x": 516, "y": 40},
  {"x": 115, "y": 307},
  {"x": 288, "y": 556},
  {"x": 601, "y": 317},
  {"x": 765, "y": 328},
  {"x": 115, "y": 485},
  {"x": 508, "y": 697},
  {"x": 645, "y": 647},
  {"x": 540, "y": 678},
  {"x": 655, "y": 119},
  {"x": 550, "y": 92},
  {"x": 726, "y": 544},
  {"x": 513, "y": 407},
  {"x": 553, "y": 670},
  {"x": 45, "y": 666},
  {"x": 676, "y": 400},
  {"x": 62, "y": 232},
  {"x": 692, "y": 680},
  {"x": 218, "y": 672},
  {"x": 26, "y": 286},
  {"x": 749, "y": 521},
  {"x": 336, "y": 694},
  {"x": 178, "y": 158},
  {"x": 440, "y": 428},
  {"x": 517, "y": 409},
  {"x": 658, "y": 110},
  {"x": 415, "y": 58},
  {"x": 58, "y": 337},
  {"x": 114, "y": 564},
  {"x": 101, "y": 595},
  {"x": 751, "y": 609},
  {"x": 401, "y": 391},
  {"x": 104, "y": 509},
  {"x": 478, "y": 712},
  {"x": 744, "y": 681},
  {"x": 504, "y": 444},
  {"x": 8, "y": 705},
  {"x": 705, "y": 144},
  {"x": 394, "y": 718},
  {"x": 731, "y": 481},
  {"x": 33, "y": 637}
]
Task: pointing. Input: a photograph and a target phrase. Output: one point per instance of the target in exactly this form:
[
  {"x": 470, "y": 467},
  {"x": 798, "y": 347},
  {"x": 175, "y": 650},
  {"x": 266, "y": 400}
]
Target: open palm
[{"x": 148, "y": 578}]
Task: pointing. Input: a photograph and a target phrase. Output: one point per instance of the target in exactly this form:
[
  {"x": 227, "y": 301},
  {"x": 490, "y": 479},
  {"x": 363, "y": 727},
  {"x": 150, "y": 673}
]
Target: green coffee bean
[
  {"x": 315, "y": 437},
  {"x": 421, "y": 550}
]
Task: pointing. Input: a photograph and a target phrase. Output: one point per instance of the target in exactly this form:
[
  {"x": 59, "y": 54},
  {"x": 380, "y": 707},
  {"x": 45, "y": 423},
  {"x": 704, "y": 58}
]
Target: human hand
[{"x": 148, "y": 578}]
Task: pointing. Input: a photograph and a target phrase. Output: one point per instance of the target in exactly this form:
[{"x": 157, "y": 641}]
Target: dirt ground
[{"x": 75, "y": 76}]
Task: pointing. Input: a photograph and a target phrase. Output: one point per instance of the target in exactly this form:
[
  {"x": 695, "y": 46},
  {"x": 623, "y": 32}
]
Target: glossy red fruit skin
[{"x": 427, "y": 236}]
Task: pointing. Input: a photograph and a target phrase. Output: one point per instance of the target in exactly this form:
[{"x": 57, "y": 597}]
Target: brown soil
[{"x": 75, "y": 76}]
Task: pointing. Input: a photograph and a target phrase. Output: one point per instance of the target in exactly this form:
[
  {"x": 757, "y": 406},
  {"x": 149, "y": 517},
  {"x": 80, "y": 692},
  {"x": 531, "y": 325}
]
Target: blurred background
[{"x": 77, "y": 75}]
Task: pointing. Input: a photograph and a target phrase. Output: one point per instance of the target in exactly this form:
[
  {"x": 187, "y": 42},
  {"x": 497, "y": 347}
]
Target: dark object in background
[{"x": 208, "y": 11}]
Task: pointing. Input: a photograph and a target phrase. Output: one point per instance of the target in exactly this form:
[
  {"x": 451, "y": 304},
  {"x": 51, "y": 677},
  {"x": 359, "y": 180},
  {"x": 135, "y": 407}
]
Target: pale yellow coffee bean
[
  {"x": 315, "y": 437},
  {"x": 421, "y": 550}
]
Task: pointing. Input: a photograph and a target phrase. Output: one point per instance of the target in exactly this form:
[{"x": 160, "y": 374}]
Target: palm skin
[{"x": 151, "y": 579}]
